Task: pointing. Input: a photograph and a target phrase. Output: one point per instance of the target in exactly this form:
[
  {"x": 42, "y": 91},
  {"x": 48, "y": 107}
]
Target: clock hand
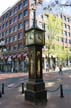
[
  {"x": 39, "y": 37},
  {"x": 31, "y": 37}
]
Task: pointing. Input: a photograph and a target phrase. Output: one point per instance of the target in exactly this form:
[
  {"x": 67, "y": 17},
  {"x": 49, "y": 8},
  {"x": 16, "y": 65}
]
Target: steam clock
[{"x": 35, "y": 40}]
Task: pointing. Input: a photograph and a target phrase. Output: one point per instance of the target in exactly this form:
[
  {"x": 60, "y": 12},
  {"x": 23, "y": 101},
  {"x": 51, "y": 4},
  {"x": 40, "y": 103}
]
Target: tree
[{"x": 55, "y": 32}]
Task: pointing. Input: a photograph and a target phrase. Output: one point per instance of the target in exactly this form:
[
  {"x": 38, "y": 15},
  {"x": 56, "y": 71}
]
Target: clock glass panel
[
  {"x": 31, "y": 37},
  {"x": 38, "y": 37}
]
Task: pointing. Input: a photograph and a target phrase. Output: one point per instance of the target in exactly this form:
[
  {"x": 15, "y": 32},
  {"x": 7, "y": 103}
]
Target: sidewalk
[
  {"x": 14, "y": 99},
  {"x": 57, "y": 69}
]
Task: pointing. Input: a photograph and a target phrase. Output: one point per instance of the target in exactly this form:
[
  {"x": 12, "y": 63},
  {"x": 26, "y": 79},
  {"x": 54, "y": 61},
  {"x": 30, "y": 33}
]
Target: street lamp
[
  {"x": 2, "y": 49},
  {"x": 35, "y": 40}
]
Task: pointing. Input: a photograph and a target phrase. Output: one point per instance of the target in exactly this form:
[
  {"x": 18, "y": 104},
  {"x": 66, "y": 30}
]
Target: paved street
[{"x": 14, "y": 99}]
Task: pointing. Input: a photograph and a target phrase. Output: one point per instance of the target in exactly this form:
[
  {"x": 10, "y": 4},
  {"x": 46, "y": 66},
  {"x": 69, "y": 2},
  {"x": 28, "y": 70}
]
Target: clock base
[{"x": 36, "y": 92}]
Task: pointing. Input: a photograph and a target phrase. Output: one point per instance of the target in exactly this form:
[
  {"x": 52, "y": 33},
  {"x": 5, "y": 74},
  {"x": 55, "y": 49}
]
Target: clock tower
[{"x": 35, "y": 87}]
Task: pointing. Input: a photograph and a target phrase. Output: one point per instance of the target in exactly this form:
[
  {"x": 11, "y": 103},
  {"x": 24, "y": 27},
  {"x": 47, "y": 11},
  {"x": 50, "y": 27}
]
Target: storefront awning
[
  {"x": 1, "y": 57},
  {"x": 14, "y": 56},
  {"x": 5, "y": 57},
  {"x": 19, "y": 56}
]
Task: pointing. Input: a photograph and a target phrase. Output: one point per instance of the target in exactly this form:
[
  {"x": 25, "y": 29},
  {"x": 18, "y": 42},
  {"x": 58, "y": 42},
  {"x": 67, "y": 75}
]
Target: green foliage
[
  {"x": 55, "y": 32},
  {"x": 54, "y": 29}
]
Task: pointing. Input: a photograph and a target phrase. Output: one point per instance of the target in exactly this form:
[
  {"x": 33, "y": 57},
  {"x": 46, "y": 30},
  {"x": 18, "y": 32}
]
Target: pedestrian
[
  {"x": 60, "y": 70},
  {"x": 54, "y": 67},
  {"x": 47, "y": 67},
  {"x": 12, "y": 69}
]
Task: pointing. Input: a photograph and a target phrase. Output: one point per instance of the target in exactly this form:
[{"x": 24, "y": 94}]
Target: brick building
[{"x": 13, "y": 23}]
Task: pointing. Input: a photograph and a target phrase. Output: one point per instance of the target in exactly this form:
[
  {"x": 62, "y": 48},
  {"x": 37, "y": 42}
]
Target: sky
[
  {"x": 65, "y": 10},
  {"x": 4, "y": 4}
]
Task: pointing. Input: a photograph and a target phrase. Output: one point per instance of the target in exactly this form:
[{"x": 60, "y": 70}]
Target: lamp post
[
  {"x": 3, "y": 48},
  {"x": 35, "y": 40}
]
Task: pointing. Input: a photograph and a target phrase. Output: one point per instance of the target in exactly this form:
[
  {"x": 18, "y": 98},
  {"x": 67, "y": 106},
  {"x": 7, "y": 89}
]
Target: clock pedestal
[{"x": 35, "y": 87}]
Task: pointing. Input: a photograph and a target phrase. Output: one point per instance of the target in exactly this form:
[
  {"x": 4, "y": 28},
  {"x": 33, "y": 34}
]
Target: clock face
[
  {"x": 38, "y": 38},
  {"x": 30, "y": 38},
  {"x": 26, "y": 35},
  {"x": 35, "y": 37}
]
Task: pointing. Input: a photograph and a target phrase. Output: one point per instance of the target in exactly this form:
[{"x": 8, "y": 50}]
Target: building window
[
  {"x": 7, "y": 32},
  {"x": 69, "y": 34},
  {"x": 6, "y": 15},
  {"x": 7, "y": 40},
  {"x": 3, "y": 26},
  {"x": 20, "y": 35},
  {"x": 0, "y": 27},
  {"x": 3, "y": 18},
  {"x": 2, "y": 34},
  {"x": 11, "y": 30},
  {"x": 65, "y": 18},
  {"x": 15, "y": 19},
  {"x": 69, "y": 41},
  {"x": 65, "y": 40},
  {"x": 68, "y": 27},
  {"x": 20, "y": 26},
  {"x": 25, "y": 12},
  {"x": 11, "y": 39},
  {"x": 11, "y": 21},
  {"x": 15, "y": 28},
  {"x": 11, "y": 13},
  {"x": 26, "y": 24},
  {"x": 20, "y": 6},
  {"x": 68, "y": 19},
  {"x": 65, "y": 25},
  {"x": 61, "y": 15},
  {"x": 15, "y": 9},
  {"x": 25, "y": 3},
  {"x": 62, "y": 40},
  {"x": 20, "y": 16},
  {"x": 0, "y": 20},
  {"x": 65, "y": 33},
  {"x": 15, "y": 38},
  {"x": 7, "y": 24},
  {"x": 19, "y": 45}
]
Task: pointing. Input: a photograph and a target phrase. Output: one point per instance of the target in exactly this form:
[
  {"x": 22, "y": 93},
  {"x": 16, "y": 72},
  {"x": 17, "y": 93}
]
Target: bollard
[
  {"x": 0, "y": 94},
  {"x": 61, "y": 91},
  {"x": 2, "y": 88},
  {"x": 22, "y": 88}
]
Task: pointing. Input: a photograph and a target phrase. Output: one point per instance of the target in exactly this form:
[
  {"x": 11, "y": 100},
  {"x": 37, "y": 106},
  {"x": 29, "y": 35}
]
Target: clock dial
[
  {"x": 31, "y": 38},
  {"x": 35, "y": 37},
  {"x": 38, "y": 38},
  {"x": 26, "y": 39}
]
